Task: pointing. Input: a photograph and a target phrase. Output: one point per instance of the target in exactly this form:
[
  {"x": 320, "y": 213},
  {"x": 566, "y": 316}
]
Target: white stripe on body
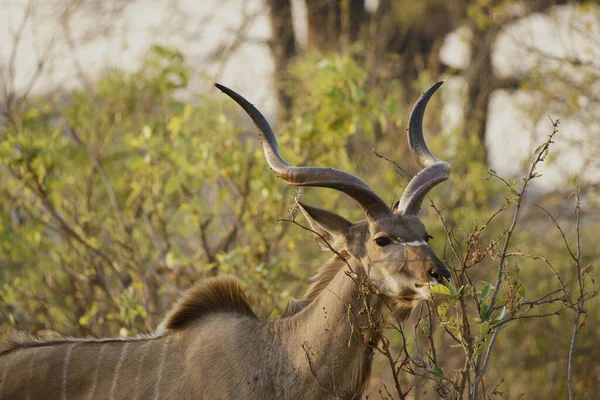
[
  {"x": 138, "y": 376},
  {"x": 119, "y": 363},
  {"x": 160, "y": 369},
  {"x": 95, "y": 381},
  {"x": 29, "y": 369},
  {"x": 66, "y": 370},
  {"x": 7, "y": 358}
]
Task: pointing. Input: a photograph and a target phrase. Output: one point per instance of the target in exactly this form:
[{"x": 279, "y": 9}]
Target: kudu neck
[{"x": 334, "y": 335}]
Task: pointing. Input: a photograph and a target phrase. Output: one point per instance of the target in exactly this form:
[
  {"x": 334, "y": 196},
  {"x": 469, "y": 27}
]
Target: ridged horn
[
  {"x": 434, "y": 170},
  {"x": 373, "y": 206}
]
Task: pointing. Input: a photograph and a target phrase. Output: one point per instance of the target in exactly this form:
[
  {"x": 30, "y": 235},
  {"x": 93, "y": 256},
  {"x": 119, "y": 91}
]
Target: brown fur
[
  {"x": 132, "y": 368},
  {"x": 214, "y": 295}
]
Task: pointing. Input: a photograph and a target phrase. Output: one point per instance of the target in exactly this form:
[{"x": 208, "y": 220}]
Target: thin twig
[
  {"x": 103, "y": 176},
  {"x": 548, "y": 263},
  {"x": 557, "y": 226},
  {"x": 539, "y": 157},
  {"x": 580, "y": 302}
]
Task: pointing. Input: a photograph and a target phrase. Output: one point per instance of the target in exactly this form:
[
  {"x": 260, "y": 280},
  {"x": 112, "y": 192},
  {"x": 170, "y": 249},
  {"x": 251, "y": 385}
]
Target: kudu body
[{"x": 212, "y": 346}]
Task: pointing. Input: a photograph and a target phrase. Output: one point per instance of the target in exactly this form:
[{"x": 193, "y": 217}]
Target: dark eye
[
  {"x": 428, "y": 237},
  {"x": 383, "y": 241}
]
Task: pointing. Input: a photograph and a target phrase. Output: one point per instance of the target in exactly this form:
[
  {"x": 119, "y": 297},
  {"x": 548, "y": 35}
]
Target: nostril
[
  {"x": 439, "y": 274},
  {"x": 434, "y": 274}
]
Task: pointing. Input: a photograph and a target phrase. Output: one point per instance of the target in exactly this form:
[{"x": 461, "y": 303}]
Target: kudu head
[{"x": 391, "y": 244}]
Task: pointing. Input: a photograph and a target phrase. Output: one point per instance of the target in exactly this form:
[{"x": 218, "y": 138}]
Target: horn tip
[
  {"x": 429, "y": 92},
  {"x": 436, "y": 86}
]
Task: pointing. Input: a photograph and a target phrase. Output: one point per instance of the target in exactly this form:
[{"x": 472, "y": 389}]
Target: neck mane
[{"x": 319, "y": 281}]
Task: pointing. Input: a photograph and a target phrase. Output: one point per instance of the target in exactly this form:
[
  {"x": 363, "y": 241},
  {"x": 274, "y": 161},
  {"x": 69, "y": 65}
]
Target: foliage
[{"x": 117, "y": 197}]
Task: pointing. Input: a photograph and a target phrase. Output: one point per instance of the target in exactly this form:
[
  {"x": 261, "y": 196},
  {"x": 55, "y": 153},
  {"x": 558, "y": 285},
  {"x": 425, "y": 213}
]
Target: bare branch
[{"x": 539, "y": 157}]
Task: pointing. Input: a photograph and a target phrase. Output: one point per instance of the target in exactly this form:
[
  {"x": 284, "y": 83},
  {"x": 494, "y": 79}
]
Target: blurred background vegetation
[{"x": 119, "y": 193}]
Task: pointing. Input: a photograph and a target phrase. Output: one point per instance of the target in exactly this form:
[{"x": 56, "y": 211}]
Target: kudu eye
[{"x": 383, "y": 241}]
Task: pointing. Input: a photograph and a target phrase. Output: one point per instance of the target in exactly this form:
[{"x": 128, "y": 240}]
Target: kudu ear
[{"x": 330, "y": 226}]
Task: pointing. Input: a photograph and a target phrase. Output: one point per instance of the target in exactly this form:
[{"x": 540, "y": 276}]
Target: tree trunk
[
  {"x": 481, "y": 80},
  {"x": 413, "y": 32},
  {"x": 334, "y": 24},
  {"x": 283, "y": 47}
]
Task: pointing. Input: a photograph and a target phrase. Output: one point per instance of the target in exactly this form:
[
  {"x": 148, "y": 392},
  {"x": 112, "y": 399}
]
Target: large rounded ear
[{"x": 330, "y": 227}]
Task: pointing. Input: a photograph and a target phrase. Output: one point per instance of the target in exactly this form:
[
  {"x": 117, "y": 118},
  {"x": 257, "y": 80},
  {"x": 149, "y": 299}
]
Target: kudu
[{"x": 212, "y": 346}]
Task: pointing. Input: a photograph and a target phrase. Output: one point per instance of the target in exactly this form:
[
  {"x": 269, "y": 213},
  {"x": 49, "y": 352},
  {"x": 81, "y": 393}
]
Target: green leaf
[
  {"x": 84, "y": 319},
  {"x": 437, "y": 371},
  {"x": 486, "y": 292},
  {"x": 337, "y": 124},
  {"x": 521, "y": 290},
  {"x": 440, "y": 289},
  {"x": 484, "y": 328},
  {"x": 451, "y": 287},
  {"x": 484, "y": 310},
  {"x": 500, "y": 317},
  {"x": 442, "y": 309},
  {"x": 480, "y": 348}
]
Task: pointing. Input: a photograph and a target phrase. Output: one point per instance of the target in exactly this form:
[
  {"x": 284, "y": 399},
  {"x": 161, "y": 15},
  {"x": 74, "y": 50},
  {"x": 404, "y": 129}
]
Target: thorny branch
[
  {"x": 579, "y": 309},
  {"x": 539, "y": 157},
  {"x": 479, "y": 349}
]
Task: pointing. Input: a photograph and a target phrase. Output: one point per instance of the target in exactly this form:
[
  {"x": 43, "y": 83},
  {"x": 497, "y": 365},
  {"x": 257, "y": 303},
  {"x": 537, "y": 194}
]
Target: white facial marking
[
  {"x": 390, "y": 282},
  {"x": 424, "y": 292},
  {"x": 417, "y": 243}
]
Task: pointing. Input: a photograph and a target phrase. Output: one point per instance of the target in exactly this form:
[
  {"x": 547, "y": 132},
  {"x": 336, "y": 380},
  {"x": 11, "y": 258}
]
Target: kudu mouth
[
  {"x": 432, "y": 282},
  {"x": 436, "y": 274}
]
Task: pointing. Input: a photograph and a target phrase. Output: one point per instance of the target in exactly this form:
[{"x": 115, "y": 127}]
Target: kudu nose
[{"x": 439, "y": 272}]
